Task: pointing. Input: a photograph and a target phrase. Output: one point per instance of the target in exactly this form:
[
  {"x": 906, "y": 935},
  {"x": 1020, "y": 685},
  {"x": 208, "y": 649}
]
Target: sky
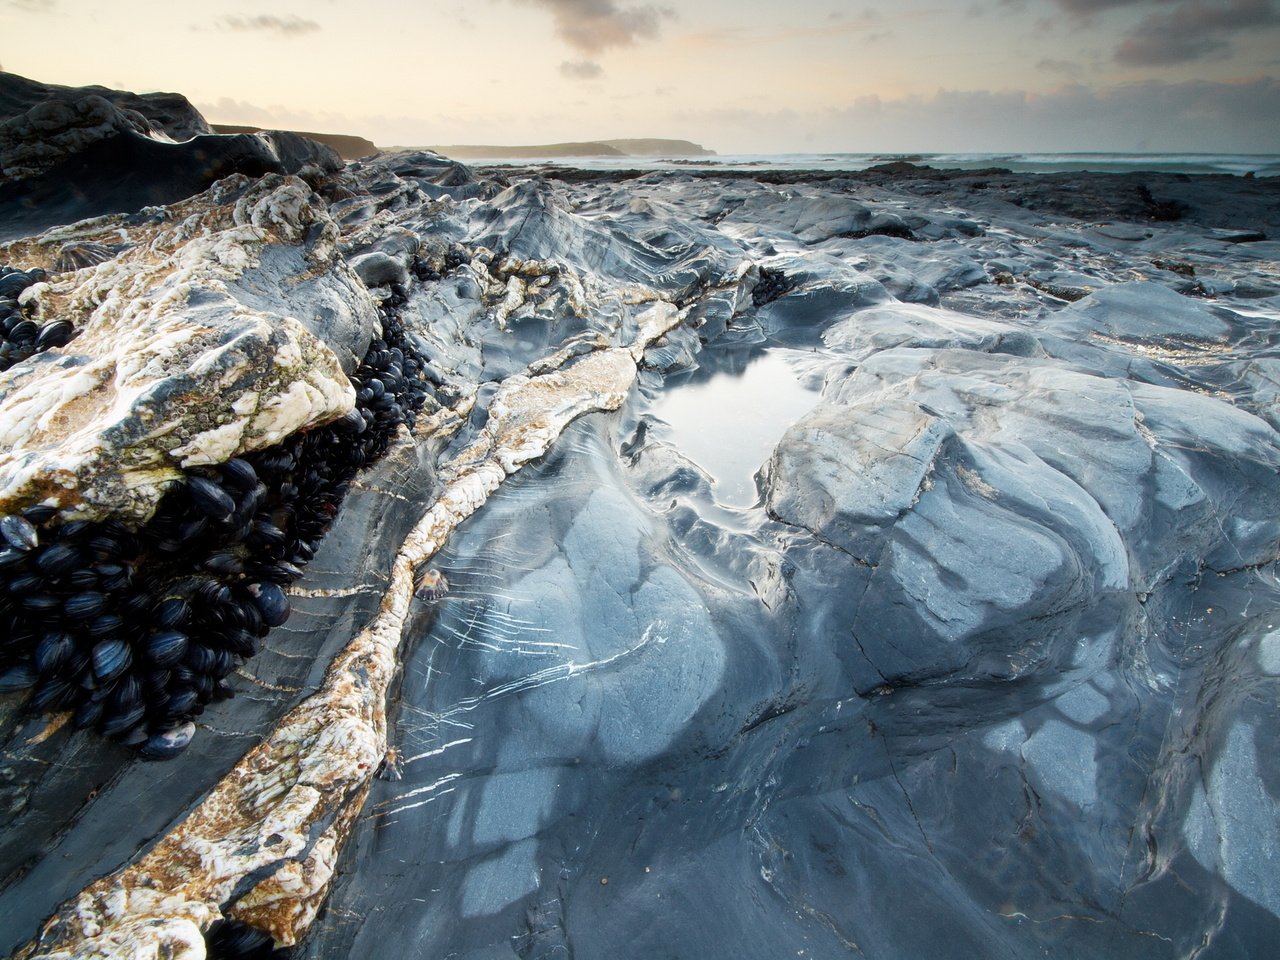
[{"x": 739, "y": 76}]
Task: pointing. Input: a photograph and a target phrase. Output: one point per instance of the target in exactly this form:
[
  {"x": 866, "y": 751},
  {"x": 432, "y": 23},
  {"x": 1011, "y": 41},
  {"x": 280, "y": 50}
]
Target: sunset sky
[{"x": 740, "y": 76}]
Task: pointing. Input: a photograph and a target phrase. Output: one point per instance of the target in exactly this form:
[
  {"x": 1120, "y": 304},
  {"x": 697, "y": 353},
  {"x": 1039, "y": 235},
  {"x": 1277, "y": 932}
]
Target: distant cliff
[
  {"x": 649, "y": 147},
  {"x": 347, "y": 147}
]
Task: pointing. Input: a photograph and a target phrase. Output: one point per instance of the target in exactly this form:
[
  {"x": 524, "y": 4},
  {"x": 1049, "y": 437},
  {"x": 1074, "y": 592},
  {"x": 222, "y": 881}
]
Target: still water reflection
[{"x": 729, "y": 424}]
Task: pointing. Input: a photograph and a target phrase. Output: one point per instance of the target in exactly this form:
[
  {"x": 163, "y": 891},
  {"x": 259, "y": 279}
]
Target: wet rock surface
[{"x": 988, "y": 667}]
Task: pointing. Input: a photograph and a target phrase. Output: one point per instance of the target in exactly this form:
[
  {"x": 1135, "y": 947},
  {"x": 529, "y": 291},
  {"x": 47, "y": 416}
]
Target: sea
[{"x": 1261, "y": 165}]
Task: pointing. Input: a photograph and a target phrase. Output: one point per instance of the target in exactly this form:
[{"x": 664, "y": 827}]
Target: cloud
[
  {"x": 1052, "y": 65},
  {"x": 1193, "y": 31},
  {"x": 581, "y": 69},
  {"x": 290, "y": 26},
  {"x": 595, "y": 25},
  {"x": 1084, "y": 8},
  {"x": 869, "y": 24}
]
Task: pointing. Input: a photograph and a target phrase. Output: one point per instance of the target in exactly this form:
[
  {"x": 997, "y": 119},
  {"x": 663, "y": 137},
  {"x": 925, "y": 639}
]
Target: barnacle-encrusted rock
[{"x": 223, "y": 327}]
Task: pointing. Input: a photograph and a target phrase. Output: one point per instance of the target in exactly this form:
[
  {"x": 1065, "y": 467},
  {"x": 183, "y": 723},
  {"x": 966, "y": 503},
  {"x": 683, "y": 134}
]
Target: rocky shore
[{"x": 361, "y": 590}]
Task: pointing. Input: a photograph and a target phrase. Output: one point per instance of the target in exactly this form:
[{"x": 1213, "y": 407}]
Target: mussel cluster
[
  {"x": 21, "y": 337},
  {"x": 436, "y": 268},
  {"x": 771, "y": 285},
  {"x": 136, "y": 630}
]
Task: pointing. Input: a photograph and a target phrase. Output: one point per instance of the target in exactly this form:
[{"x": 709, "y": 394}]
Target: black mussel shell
[
  {"x": 190, "y": 529},
  {"x": 25, "y": 583},
  {"x": 74, "y": 529},
  {"x": 19, "y": 532},
  {"x": 240, "y": 531},
  {"x": 55, "y": 333},
  {"x": 233, "y": 940},
  {"x": 181, "y": 702},
  {"x": 248, "y": 503},
  {"x": 281, "y": 572},
  {"x": 55, "y": 694},
  {"x": 158, "y": 617},
  {"x": 13, "y": 284},
  {"x": 83, "y": 579},
  {"x": 105, "y": 547},
  {"x": 171, "y": 612},
  {"x": 168, "y": 743},
  {"x": 104, "y": 625},
  {"x": 251, "y": 619},
  {"x": 157, "y": 681},
  {"x": 267, "y": 534},
  {"x": 271, "y": 603},
  {"x": 224, "y": 661},
  {"x": 119, "y": 725},
  {"x": 40, "y": 513},
  {"x": 18, "y": 678},
  {"x": 58, "y": 558},
  {"x": 352, "y": 421},
  {"x": 78, "y": 666},
  {"x": 113, "y": 575},
  {"x": 25, "y": 332},
  {"x": 53, "y": 650},
  {"x": 166, "y": 648},
  {"x": 126, "y": 694},
  {"x": 210, "y": 499},
  {"x": 213, "y": 593},
  {"x": 85, "y": 605},
  {"x": 276, "y": 461},
  {"x": 200, "y": 658},
  {"x": 240, "y": 474},
  {"x": 240, "y": 642},
  {"x": 204, "y": 686},
  {"x": 41, "y": 603},
  {"x": 110, "y": 659},
  {"x": 88, "y": 714},
  {"x": 225, "y": 562}
]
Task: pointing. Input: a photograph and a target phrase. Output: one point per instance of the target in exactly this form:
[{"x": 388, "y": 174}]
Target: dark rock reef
[
  {"x": 439, "y": 472},
  {"x": 70, "y": 153}
]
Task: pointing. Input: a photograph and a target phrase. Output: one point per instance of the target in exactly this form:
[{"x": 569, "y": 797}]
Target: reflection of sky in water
[{"x": 730, "y": 423}]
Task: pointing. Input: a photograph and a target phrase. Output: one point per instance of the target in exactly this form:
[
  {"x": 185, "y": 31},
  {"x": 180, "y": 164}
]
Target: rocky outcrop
[
  {"x": 70, "y": 153},
  {"x": 170, "y": 115},
  {"x": 222, "y": 326}
]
